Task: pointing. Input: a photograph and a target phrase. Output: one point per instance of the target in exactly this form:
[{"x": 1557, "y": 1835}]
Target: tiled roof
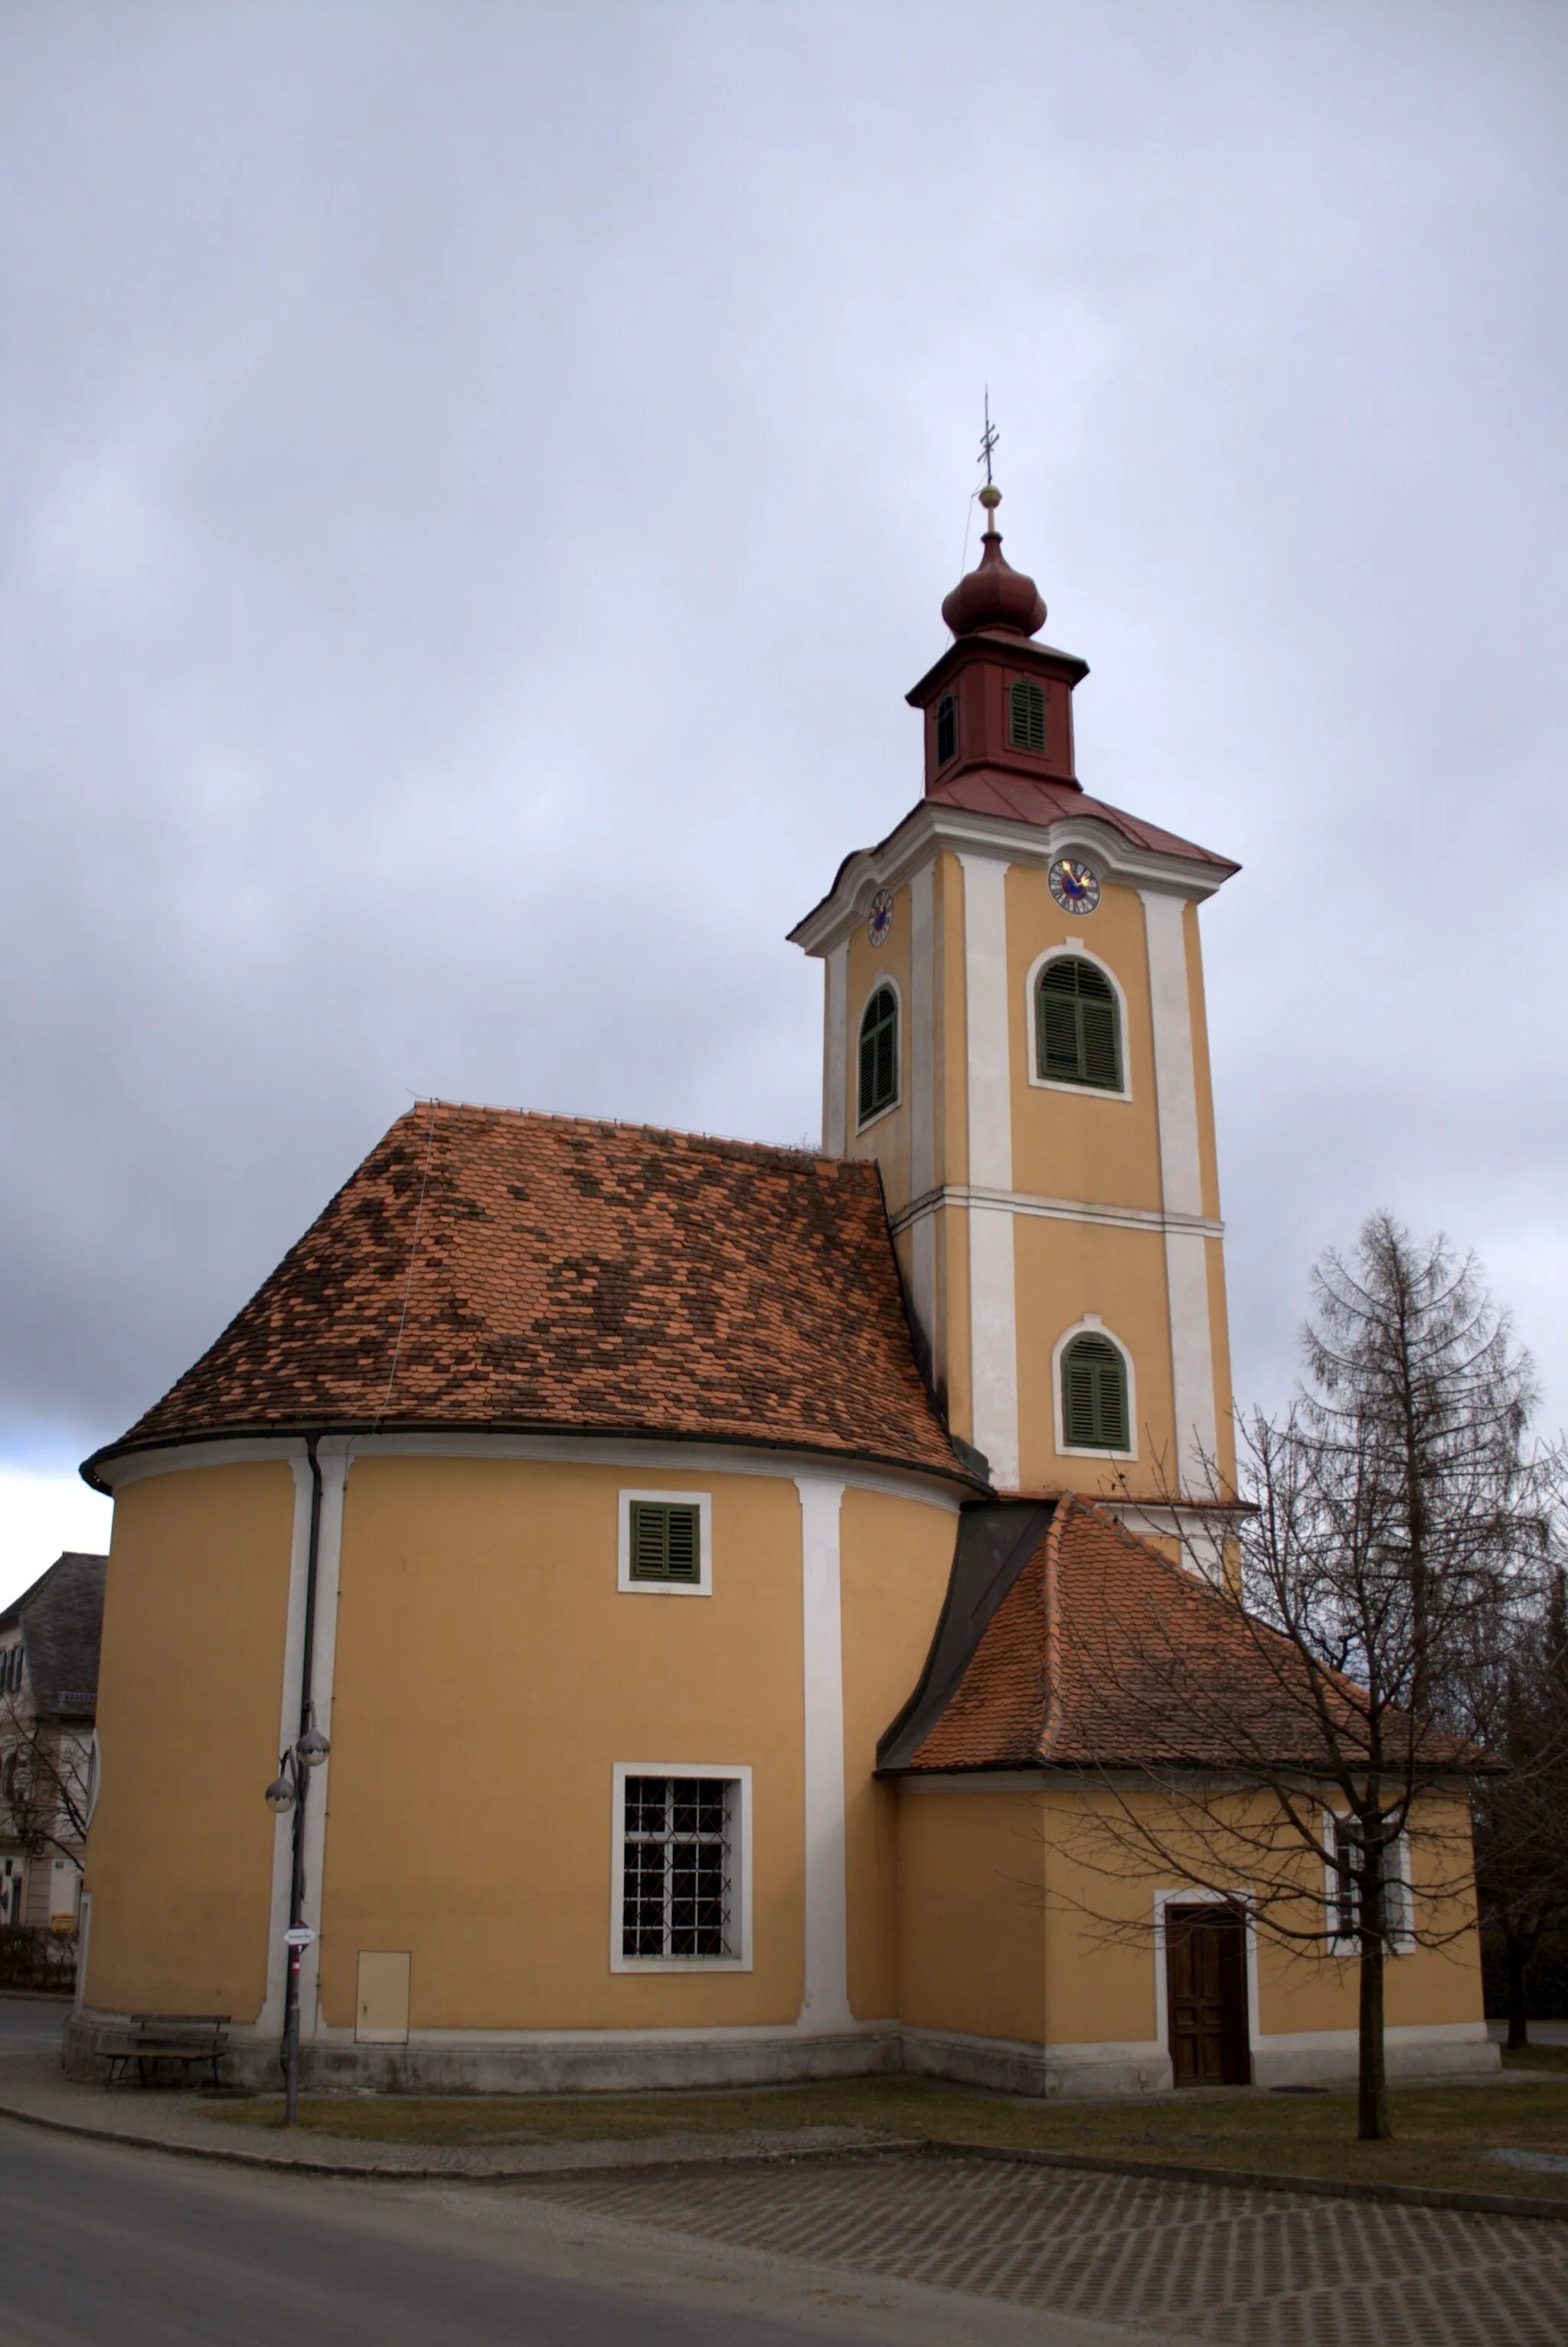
[
  {"x": 61, "y": 1620},
  {"x": 485, "y": 1268},
  {"x": 988, "y": 790},
  {"x": 1078, "y": 1645}
]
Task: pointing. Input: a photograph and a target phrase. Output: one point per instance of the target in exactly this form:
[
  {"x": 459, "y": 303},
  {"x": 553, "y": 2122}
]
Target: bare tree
[
  {"x": 45, "y": 1779},
  {"x": 1300, "y": 1741},
  {"x": 1520, "y": 1707}
]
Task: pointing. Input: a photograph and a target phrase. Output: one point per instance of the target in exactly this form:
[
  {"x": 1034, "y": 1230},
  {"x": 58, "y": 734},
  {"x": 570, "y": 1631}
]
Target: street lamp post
[{"x": 287, "y": 1791}]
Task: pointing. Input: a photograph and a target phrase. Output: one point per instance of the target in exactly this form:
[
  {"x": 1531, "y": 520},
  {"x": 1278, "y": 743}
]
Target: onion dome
[{"x": 994, "y": 595}]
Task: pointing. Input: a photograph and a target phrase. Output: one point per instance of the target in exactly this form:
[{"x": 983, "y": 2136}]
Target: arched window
[
  {"x": 879, "y": 1053},
  {"x": 947, "y": 727},
  {"x": 1078, "y": 1026},
  {"x": 1094, "y": 1394},
  {"x": 1026, "y": 716}
]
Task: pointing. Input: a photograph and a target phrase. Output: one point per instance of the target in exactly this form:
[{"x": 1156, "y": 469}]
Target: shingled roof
[
  {"x": 61, "y": 1620},
  {"x": 1064, "y": 1642},
  {"x": 489, "y": 1269}
]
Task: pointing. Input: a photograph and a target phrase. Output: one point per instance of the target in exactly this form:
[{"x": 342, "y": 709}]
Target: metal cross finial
[{"x": 988, "y": 439}]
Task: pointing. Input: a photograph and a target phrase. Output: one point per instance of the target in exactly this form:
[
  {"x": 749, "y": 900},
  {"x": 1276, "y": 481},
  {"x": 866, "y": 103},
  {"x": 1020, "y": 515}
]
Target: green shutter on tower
[
  {"x": 1026, "y": 717},
  {"x": 1079, "y": 1028},
  {"x": 666, "y": 1541},
  {"x": 1094, "y": 1394},
  {"x": 878, "y": 1053}
]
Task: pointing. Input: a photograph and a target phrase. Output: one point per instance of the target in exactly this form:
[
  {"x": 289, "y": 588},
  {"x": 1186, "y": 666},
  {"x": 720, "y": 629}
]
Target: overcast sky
[{"x": 478, "y": 480}]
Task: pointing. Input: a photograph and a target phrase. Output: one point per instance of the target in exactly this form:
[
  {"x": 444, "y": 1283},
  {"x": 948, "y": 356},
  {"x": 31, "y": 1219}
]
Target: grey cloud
[{"x": 477, "y": 484}]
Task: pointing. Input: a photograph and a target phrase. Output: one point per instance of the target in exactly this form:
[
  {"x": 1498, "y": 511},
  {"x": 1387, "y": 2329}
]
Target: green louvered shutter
[
  {"x": 1026, "y": 717},
  {"x": 879, "y": 1053},
  {"x": 665, "y": 1541},
  {"x": 1078, "y": 1030},
  {"x": 1094, "y": 1394}
]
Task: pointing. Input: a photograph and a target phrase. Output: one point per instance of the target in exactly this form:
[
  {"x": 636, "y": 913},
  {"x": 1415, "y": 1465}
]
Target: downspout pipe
[{"x": 291, "y": 2045}]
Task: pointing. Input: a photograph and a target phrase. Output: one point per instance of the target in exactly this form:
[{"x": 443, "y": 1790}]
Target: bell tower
[{"x": 1014, "y": 1029}]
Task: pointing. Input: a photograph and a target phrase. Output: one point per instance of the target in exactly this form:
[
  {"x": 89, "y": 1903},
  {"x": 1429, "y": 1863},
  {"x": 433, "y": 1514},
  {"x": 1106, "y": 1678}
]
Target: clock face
[
  {"x": 1074, "y": 886},
  {"x": 879, "y": 919}
]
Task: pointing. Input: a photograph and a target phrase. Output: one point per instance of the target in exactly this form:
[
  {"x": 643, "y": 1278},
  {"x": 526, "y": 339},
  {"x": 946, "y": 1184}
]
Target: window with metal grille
[
  {"x": 1078, "y": 1025},
  {"x": 1026, "y": 716},
  {"x": 666, "y": 1542},
  {"x": 1094, "y": 1394},
  {"x": 879, "y": 1053},
  {"x": 677, "y": 1867},
  {"x": 946, "y": 728}
]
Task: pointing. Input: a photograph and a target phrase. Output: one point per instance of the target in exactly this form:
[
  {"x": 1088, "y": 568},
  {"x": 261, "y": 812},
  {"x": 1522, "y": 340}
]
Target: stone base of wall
[
  {"x": 551, "y": 2066},
  {"x": 523, "y": 2066}
]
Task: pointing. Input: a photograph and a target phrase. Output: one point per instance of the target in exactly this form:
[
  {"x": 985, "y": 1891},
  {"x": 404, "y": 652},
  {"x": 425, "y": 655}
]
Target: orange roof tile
[
  {"x": 1089, "y": 1648},
  {"x": 486, "y": 1268}
]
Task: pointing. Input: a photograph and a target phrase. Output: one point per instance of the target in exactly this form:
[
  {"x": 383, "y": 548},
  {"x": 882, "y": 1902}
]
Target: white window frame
[
  {"x": 737, "y": 1774},
  {"x": 1031, "y": 987},
  {"x": 884, "y": 980},
  {"x": 703, "y": 1585},
  {"x": 1092, "y": 1325},
  {"x": 1399, "y": 1894}
]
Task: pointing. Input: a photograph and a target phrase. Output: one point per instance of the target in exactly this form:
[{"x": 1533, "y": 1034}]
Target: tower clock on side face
[
  {"x": 1074, "y": 885},
  {"x": 879, "y": 919}
]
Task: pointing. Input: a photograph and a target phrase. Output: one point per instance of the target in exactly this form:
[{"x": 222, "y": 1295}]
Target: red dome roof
[{"x": 994, "y": 595}]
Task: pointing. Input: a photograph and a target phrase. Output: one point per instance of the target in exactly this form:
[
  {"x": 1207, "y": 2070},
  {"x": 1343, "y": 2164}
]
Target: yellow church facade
[{"x": 677, "y": 1548}]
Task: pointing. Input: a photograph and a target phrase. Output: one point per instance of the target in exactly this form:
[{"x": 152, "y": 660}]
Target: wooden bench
[{"x": 188, "y": 2037}]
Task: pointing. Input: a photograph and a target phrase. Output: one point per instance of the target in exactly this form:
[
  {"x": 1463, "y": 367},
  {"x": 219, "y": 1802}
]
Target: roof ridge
[
  {"x": 603, "y": 1126},
  {"x": 1050, "y": 1603}
]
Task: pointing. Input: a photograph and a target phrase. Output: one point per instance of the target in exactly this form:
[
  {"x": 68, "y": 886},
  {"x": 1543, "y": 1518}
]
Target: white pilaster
[
  {"x": 923, "y": 1097},
  {"x": 334, "y": 1456},
  {"x": 1186, "y": 1264},
  {"x": 993, "y": 1309},
  {"x": 825, "y": 2003},
  {"x": 270, "y": 2020},
  {"x": 835, "y": 1051}
]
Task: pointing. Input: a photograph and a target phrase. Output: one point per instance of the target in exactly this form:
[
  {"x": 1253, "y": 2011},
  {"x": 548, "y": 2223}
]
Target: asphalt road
[{"x": 108, "y": 2248}]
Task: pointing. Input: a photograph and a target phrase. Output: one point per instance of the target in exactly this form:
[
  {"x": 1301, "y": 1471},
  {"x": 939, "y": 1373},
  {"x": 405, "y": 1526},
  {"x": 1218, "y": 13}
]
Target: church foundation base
[
  {"x": 538, "y": 2066},
  {"x": 564, "y": 2066}
]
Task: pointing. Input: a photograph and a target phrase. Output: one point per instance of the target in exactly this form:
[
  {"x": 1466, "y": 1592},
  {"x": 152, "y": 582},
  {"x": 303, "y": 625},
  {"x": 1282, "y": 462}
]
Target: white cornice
[
  {"x": 711, "y": 1459},
  {"x": 1061, "y": 1210},
  {"x": 932, "y": 827}
]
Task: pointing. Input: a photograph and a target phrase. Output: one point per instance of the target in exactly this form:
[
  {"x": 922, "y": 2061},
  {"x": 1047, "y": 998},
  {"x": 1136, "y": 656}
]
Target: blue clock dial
[
  {"x": 1074, "y": 885},
  {"x": 879, "y": 919}
]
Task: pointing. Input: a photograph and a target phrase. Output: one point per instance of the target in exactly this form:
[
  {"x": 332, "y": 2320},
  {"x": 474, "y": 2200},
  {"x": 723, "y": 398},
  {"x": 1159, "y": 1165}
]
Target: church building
[{"x": 667, "y": 1565}]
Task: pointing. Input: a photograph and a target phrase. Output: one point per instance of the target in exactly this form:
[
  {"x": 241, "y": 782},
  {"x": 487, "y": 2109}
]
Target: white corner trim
[
  {"x": 1175, "y": 1079},
  {"x": 703, "y": 1585},
  {"x": 993, "y": 1299},
  {"x": 883, "y": 983},
  {"x": 1056, "y": 1083},
  {"x": 993, "y": 1344},
  {"x": 824, "y": 2004},
  {"x": 1191, "y": 1358},
  {"x": 836, "y": 1055},
  {"x": 922, "y": 1031},
  {"x": 736, "y": 1773},
  {"x": 1092, "y": 1325},
  {"x": 988, "y": 1092}
]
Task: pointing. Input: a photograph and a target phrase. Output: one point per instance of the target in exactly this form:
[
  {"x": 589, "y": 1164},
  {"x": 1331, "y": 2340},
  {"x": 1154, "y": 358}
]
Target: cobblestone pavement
[{"x": 1258, "y": 2269}]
